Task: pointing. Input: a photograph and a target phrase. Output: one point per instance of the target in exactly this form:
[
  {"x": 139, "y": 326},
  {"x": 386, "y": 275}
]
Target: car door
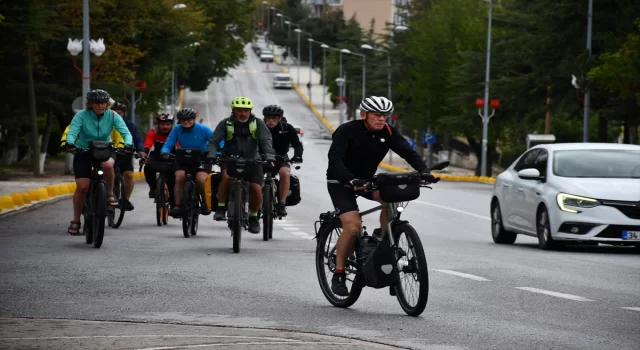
[
  {"x": 514, "y": 191},
  {"x": 530, "y": 192}
]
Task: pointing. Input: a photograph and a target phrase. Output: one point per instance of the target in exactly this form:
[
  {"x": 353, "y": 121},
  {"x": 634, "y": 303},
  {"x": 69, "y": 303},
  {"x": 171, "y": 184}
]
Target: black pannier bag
[
  {"x": 398, "y": 187},
  {"x": 189, "y": 158},
  {"x": 379, "y": 266},
  {"x": 241, "y": 168}
]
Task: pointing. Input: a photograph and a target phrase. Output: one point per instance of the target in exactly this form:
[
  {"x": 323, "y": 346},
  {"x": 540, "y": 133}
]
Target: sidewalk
[{"x": 319, "y": 100}]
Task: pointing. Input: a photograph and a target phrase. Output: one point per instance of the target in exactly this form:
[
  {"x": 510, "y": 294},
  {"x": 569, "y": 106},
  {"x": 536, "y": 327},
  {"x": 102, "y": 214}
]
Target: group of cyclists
[
  {"x": 357, "y": 148},
  {"x": 242, "y": 134}
]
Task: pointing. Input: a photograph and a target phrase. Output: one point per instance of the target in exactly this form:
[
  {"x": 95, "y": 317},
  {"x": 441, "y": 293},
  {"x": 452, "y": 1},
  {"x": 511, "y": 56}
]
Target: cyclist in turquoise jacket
[
  {"x": 94, "y": 123},
  {"x": 190, "y": 135}
]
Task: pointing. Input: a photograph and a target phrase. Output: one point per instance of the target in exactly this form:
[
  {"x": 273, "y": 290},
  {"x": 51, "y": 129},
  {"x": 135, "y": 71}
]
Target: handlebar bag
[
  {"x": 398, "y": 186},
  {"x": 100, "y": 150}
]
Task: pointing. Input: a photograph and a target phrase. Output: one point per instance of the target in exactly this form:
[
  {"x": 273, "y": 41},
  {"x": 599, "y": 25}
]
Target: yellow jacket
[{"x": 116, "y": 138}]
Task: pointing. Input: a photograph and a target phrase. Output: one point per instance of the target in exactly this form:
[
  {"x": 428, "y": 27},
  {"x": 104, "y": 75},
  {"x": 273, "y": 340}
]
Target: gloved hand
[
  {"x": 296, "y": 160},
  {"x": 358, "y": 185},
  {"x": 128, "y": 149},
  {"x": 272, "y": 164},
  {"x": 71, "y": 148},
  {"x": 427, "y": 178}
]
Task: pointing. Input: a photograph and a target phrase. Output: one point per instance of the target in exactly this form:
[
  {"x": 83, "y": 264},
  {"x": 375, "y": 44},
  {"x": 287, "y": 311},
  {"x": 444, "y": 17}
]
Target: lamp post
[
  {"x": 369, "y": 47},
  {"x": 324, "y": 75},
  {"x": 480, "y": 103},
  {"x": 173, "y": 79},
  {"x": 485, "y": 116},
  {"x": 587, "y": 94},
  {"x": 310, "y": 65},
  {"x": 364, "y": 69},
  {"x": 340, "y": 85},
  {"x": 297, "y": 30}
]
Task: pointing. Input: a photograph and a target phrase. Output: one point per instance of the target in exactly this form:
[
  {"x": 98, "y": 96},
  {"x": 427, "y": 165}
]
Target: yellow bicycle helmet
[{"x": 242, "y": 102}]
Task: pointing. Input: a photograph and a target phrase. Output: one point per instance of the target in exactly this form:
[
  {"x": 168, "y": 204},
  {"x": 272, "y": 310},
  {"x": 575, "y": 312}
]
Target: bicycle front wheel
[
  {"x": 160, "y": 201},
  {"x": 326, "y": 266},
  {"x": 99, "y": 213},
  {"x": 267, "y": 212},
  {"x": 195, "y": 213},
  {"x": 87, "y": 225},
  {"x": 236, "y": 225},
  {"x": 186, "y": 208},
  {"x": 412, "y": 266}
]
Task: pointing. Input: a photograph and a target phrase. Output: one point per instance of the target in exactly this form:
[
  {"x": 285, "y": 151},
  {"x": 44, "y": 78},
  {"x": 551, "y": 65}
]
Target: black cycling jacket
[
  {"x": 283, "y": 135},
  {"x": 356, "y": 152}
]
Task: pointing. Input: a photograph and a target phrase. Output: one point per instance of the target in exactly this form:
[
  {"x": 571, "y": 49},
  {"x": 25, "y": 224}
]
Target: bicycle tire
[
  {"x": 186, "y": 210},
  {"x": 267, "y": 212},
  {"x": 165, "y": 216},
  {"x": 120, "y": 192},
  {"x": 236, "y": 226},
  {"x": 195, "y": 213},
  {"x": 422, "y": 273},
  {"x": 160, "y": 200},
  {"x": 356, "y": 288},
  {"x": 87, "y": 225},
  {"x": 100, "y": 213}
]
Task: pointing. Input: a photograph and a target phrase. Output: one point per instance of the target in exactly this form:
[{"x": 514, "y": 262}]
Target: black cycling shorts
[
  {"x": 82, "y": 164},
  {"x": 124, "y": 162},
  {"x": 344, "y": 199},
  {"x": 256, "y": 178}
]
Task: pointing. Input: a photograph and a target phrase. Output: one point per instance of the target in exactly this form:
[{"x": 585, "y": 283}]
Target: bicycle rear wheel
[
  {"x": 116, "y": 215},
  {"x": 412, "y": 266},
  {"x": 195, "y": 213},
  {"x": 160, "y": 201},
  {"x": 326, "y": 265},
  {"x": 237, "y": 220},
  {"x": 267, "y": 212},
  {"x": 186, "y": 208},
  {"x": 99, "y": 213}
]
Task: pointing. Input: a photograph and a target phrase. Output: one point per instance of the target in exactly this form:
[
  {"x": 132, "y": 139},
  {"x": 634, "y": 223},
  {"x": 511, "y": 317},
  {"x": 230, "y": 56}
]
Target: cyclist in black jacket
[
  {"x": 283, "y": 134},
  {"x": 356, "y": 151}
]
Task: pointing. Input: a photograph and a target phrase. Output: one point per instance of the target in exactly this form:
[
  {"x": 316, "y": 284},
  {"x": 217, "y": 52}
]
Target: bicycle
[
  {"x": 94, "y": 211},
  {"x": 190, "y": 159},
  {"x": 240, "y": 170},
  {"x": 270, "y": 196},
  {"x": 161, "y": 192},
  {"x": 395, "y": 189},
  {"x": 115, "y": 215}
]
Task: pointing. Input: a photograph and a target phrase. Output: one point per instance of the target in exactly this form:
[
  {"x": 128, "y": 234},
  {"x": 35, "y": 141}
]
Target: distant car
[
  {"x": 571, "y": 192},
  {"x": 282, "y": 80},
  {"x": 266, "y": 57}
]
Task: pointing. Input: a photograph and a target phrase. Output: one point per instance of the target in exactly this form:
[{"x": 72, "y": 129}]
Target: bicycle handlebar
[{"x": 370, "y": 184}]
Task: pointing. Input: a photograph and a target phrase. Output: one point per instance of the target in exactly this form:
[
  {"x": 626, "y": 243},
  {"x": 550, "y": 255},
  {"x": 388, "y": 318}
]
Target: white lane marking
[
  {"x": 455, "y": 210},
  {"x": 465, "y": 275},
  {"x": 298, "y": 233},
  {"x": 150, "y": 336},
  {"x": 555, "y": 294},
  {"x": 290, "y": 228},
  {"x": 243, "y": 343},
  {"x": 631, "y": 308},
  {"x": 283, "y": 224}
]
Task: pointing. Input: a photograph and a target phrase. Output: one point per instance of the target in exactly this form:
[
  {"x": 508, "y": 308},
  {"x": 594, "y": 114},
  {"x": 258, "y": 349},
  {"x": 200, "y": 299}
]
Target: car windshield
[
  {"x": 283, "y": 78},
  {"x": 597, "y": 163}
]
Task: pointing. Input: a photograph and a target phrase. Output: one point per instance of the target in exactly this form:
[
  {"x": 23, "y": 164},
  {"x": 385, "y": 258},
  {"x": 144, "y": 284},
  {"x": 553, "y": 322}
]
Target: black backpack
[{"x": 293, "y": 197}]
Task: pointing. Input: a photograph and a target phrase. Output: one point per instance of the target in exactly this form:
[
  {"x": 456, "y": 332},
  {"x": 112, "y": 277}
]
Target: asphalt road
[{"x": 482, "y": 296}]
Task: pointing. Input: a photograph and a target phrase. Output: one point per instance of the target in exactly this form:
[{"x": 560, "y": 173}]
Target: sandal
[
  {"x": 112, "y": 201},
  {"x": 74, "y": 228}
]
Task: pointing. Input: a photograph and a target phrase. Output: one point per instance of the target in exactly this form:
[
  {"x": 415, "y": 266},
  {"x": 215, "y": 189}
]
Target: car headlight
[{"x": 569, "y": 200}]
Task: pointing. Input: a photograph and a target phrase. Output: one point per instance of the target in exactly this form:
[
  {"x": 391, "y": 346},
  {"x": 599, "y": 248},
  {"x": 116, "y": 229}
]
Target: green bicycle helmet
[{"x": 242, "y": 102}]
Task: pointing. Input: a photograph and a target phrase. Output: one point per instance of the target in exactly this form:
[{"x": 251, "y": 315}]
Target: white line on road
[
  {"x": 289, "y": 228},
  {"x": 632, "y": 308},
  {"x": 455, "y": 210},
  {"x": 555, "y": 294},
  {"x": 465, "y": 275}
]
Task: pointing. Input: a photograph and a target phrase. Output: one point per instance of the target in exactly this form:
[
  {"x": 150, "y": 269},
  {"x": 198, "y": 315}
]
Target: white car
[
  {"x": 571, "y": 192},
  {"x": 266, "y": 56},
  {"x": 282, "y": 80}
]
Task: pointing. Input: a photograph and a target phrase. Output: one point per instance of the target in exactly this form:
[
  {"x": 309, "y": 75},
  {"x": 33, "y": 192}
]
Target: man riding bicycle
[
  {"x": 153, "y": 143},
  {"x": 190, "y": 135},
  {"x": 94, "y": 123},
  {"x": 124, "y": 161},
  {"x": 246, "y": 137},
  {"x": 355, "y": 153},
  {"x": 283, "y": 134}
]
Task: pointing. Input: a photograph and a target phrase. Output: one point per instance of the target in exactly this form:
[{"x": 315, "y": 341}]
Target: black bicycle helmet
[
  {"x": 272, "y": 110},
  {"x": 186, "y": 113},
  {"x": 165, "y": 117},
  {"x": 98, "y": 95},
  {"x": 119, "y": 106}
]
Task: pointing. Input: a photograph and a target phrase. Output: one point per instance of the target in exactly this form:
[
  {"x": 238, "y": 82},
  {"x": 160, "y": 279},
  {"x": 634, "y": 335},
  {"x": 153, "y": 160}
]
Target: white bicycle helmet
[{"x": 377, "y": 104}]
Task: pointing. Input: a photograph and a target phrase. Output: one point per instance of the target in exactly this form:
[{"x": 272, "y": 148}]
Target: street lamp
[
  {"x": 341, "y": 84},
  {"x": 297, "y": 30},
  {"x": 369, "y": 47},
  {"x": 173, "y": 80},
  {"x": 587, "y": 94},
  {"x": 364, "y": 70},
  {"x": 324, "y": 75},
  {"x": 310, "y": 64},
  {"x": 485, "y": 116},
  {"x": 95, "y": 47}
]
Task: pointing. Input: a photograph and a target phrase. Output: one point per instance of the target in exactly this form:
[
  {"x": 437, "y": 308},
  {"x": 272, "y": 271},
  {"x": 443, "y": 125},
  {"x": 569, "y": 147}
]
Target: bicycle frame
[{"x": 393, "y": 215}]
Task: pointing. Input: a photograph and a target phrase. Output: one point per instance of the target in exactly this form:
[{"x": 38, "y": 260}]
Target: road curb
[
  {"x": 20, "y": 202},
  {"x": 445, "y": 177}
]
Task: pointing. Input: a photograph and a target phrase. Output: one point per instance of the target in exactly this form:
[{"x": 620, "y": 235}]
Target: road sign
[
  {"x": 412, "y": 143},
  {"x": 429, "y": 138}
]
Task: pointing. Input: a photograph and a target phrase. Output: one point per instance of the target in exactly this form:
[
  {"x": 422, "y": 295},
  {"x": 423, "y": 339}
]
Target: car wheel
[
  {"x": 543, "y": 227},
  {"x": 498, "y": 232}
]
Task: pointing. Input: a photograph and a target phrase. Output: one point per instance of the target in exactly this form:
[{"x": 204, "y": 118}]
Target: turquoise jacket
[{"x": 89, "y": 127}]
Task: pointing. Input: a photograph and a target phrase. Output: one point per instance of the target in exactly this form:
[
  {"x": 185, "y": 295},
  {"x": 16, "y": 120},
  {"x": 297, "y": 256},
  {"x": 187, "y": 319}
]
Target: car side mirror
[{"x": 529, "y": 174}]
